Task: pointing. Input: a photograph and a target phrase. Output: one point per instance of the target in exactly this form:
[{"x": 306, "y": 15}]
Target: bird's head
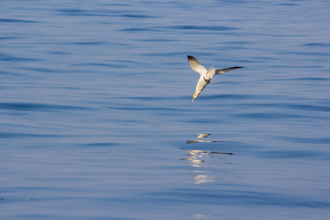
[{"x": 194, "y": 97}]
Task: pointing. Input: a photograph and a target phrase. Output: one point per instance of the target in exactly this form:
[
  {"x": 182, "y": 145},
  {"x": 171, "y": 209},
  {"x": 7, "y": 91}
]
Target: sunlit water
[{"x": 96, "y": 119}]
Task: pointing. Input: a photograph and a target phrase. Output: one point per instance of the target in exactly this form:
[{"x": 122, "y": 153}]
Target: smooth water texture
[{"x": 96, "y": 119}]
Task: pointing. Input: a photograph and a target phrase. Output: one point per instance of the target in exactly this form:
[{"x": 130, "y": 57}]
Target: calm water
[{"x": 96, "y": 119}]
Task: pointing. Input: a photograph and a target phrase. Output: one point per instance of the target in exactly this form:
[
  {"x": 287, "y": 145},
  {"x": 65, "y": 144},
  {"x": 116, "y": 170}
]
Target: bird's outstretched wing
[
  {"x": 227, "y": 69},
  {"x": 195, "y": 65}
]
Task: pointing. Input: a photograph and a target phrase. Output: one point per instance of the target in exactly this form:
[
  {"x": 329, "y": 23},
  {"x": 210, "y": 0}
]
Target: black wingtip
[
  {"x": 190, "y": 57},
  {"x": 237, "y": 67}
]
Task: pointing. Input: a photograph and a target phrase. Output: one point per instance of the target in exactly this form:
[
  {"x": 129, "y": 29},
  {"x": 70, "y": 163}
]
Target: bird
[{"x": 205, "y": 75}]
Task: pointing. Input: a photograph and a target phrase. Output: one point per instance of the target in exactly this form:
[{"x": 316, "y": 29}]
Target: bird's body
[{"x": 205, "y": 75}]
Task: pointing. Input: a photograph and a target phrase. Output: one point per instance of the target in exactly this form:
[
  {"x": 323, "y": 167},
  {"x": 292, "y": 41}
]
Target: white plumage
[{"x": 205, "y": 75}]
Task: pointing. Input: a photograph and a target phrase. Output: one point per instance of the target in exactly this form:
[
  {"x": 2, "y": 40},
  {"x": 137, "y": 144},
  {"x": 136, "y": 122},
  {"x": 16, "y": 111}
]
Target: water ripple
[
  {"x": 38, "y": 107},
  {"x": 292, "y": 154},
  {"x": 241, "y": 198},
  {"x": 9, "y": 20},
  {"x": 7, "y": 57},
  {"x": 203, "y": 28},
  {"x": 19, "y": 135}
]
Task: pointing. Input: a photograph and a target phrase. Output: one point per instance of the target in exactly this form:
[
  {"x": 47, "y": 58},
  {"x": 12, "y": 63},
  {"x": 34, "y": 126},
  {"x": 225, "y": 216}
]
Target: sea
[{"x": 97, "y": 120}]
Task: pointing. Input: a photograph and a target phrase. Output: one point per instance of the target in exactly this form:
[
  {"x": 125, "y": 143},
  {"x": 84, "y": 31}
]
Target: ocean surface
[{"x": 96, "y": 118}]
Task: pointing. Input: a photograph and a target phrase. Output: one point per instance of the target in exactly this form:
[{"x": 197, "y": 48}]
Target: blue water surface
[{"x": 96, "y": 119}]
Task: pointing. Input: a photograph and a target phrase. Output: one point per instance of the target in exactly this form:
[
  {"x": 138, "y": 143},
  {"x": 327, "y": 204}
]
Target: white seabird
[{"x": 205, "y": 75}]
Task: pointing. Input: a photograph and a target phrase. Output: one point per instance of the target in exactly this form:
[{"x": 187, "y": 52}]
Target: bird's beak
[{"x": 195, "y": 96}]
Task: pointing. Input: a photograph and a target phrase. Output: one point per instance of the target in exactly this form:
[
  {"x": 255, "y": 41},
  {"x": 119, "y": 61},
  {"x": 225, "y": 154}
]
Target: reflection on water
[
  {"x": 197, "y": 158},
  {"x": 200, "y": 216},
  {"x": 201, "y": 136},
  {"x": 197, "y": 141},
  {"x": 203, "y": 179}
]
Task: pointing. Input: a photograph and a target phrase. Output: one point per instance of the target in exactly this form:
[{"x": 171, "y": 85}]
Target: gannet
[{"x": 205, "y": 75}]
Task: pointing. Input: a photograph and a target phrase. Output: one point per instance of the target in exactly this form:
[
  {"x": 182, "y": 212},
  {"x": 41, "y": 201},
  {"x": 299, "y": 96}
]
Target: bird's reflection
[
  {"x": 196, "y": 159},
  {"x": 201, "y": 136},
  {"x": 198, "y": 141}
]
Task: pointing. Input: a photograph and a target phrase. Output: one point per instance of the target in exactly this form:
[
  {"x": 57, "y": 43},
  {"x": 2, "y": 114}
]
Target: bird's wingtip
[{"x": 190, "y": 57}]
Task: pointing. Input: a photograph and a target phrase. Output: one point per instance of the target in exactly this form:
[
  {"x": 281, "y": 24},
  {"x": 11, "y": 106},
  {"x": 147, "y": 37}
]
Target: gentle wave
[
  {"x": 239, "y": 198},
  {"x": 39, "y": 107},
  {"x": 10, "y": 20}
]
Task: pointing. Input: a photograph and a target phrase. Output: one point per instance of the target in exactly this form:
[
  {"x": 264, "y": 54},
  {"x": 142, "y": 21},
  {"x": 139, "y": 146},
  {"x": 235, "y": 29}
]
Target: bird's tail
[{"x": 210, "y": 73}]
